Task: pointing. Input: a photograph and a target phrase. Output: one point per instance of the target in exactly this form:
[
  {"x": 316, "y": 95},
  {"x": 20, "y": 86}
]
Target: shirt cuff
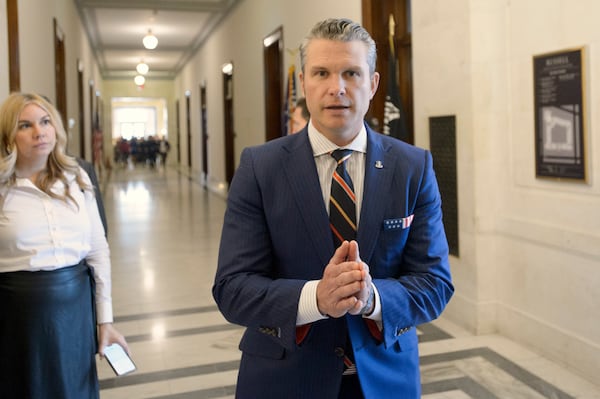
[
  {"x": 104, "y": 313},
  {"x": 376, "y": 313},
  {"x": 308, "y": 311}
]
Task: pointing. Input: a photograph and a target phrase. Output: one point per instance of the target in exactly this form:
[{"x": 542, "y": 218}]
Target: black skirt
[{"x": 48, "y": 334}]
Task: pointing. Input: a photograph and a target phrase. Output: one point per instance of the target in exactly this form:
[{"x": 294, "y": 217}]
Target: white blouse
[{"x": 38, "y": 232}]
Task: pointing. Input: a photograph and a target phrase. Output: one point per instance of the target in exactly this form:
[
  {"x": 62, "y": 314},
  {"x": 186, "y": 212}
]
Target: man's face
[{"x": 337, "y": 87}]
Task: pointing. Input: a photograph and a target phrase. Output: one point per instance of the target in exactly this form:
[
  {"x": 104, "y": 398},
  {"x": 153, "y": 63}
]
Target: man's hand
[
  {"x": 346, "y": 283},
  {"x": 365, "y": 296}
]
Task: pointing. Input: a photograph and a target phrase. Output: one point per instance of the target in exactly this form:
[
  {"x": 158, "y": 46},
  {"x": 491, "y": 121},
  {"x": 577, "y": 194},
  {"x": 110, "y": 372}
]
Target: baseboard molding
[
  {"x": 555, "y": 343},
  {"x": 477, "y": 318},
  {"x": 213, "y": 185},
  {"x": 562, "y": 346}
]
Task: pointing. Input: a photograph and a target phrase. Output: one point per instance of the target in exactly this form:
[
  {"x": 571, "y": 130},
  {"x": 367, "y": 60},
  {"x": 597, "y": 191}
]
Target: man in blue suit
[{"x": 327, "y": 320}]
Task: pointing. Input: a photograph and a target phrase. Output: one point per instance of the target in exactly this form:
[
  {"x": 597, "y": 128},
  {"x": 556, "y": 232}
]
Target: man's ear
[
  {"x": 301, "y": 79},
  {"x": 374, "y": 84}
]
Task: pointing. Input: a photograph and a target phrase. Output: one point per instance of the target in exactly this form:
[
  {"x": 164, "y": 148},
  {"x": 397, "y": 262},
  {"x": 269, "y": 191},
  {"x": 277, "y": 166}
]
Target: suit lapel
[
  {"x": 299, "y": 166},
  {"x": 378, "y": 180}
]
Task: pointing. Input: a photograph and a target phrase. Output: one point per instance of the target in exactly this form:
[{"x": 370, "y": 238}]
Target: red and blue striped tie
[
  {"x": 342, "y": 203},
  {"x": 342, "y": 220}
]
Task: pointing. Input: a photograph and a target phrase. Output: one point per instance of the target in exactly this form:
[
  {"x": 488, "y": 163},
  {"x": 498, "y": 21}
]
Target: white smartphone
[{"x": 118, "y": 359}]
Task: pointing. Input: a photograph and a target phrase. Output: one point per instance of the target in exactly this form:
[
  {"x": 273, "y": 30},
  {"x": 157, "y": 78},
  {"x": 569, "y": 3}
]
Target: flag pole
[
  {"x": 391, "y": 36},
  {"x": 392, "y": 30},
  {"x": 394, "y": 119}
]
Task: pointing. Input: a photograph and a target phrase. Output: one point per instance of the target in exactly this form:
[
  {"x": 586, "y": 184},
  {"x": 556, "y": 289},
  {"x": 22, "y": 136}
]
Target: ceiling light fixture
[
  {"x": 139, "y": 80},
  {"x": 150, "y": 41},
  {"x": 142, "y": 68}
]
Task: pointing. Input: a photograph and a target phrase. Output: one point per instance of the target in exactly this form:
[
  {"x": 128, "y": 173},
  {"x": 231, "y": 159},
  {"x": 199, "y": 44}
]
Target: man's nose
[{"x": 337, "y": 86}]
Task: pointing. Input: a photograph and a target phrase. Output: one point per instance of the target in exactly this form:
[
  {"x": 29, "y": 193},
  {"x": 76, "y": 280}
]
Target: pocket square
[{"x": 400, "y": 223}]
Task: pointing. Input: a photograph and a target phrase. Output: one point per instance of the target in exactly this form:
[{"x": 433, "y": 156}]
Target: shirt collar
[
  {"x": 25, "y": 182},
  {"x": 321, "y": 145}
]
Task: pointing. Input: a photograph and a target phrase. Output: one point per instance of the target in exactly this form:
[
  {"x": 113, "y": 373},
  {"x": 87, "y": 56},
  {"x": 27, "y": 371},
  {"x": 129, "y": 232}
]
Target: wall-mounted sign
[{"x": 559, "y": 114}]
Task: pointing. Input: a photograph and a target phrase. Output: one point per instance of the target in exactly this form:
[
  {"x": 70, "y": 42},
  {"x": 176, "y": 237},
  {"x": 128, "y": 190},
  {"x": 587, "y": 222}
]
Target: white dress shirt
[
  {"x": 308, "y": 311},
  {"x": 38, "y": 232}
]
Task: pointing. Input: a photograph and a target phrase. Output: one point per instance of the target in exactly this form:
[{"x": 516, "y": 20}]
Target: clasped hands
[{"x": 346, "y": 284}]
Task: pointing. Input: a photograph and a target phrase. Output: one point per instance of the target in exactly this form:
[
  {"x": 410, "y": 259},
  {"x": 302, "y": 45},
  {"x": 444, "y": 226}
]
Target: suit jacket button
[{"x": 339, "y": 352}]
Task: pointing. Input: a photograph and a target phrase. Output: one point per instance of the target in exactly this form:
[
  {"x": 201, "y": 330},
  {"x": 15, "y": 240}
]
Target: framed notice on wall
[{"x": 559, "y": 114}]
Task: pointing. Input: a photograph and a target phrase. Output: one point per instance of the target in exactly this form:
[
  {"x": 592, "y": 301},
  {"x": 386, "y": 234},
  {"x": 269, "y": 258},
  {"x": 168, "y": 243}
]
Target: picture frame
[{"x": 559, "y": 107}]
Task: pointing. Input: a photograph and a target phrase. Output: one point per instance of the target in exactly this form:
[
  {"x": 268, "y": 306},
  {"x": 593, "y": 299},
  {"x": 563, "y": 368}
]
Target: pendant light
[
  {"x": 142, "y": 68},
  {"x": 150, "y": 41},
  {"x": 139, "y": 80}
]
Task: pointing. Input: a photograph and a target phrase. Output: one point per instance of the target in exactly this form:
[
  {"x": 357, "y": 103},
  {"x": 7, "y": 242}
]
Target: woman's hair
[
  {"x": 343, "y": 30},
  {"x": 58, "y": 161}
]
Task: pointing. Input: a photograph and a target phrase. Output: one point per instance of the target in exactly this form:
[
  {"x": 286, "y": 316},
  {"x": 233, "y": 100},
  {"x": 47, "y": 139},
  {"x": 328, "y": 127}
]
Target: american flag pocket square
[{"x": 400, "y": 223}]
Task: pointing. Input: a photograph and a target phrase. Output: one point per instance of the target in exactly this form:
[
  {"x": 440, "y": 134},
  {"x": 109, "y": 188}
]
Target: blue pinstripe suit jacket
[{"x": 276, "y": 237}]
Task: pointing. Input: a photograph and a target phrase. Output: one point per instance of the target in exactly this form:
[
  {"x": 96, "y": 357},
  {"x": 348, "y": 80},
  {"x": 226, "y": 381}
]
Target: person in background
[
  {"x": 331, "y": 263},
  {"x": 163, "y": 150},
  {"x": 88, "y": 167},
  {"x": 300, "y": 116},
  {"x": 55, "y": 277}
]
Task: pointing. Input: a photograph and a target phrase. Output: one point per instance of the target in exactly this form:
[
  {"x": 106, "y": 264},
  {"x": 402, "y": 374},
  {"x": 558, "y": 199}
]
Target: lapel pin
[{"x": 379, "y": 164}]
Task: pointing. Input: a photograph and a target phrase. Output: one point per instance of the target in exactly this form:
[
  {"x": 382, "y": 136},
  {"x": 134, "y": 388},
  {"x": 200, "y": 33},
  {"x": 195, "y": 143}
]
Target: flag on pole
[
  {"x": 290, "y": 100},
  {"x": 394, "y": 119}
]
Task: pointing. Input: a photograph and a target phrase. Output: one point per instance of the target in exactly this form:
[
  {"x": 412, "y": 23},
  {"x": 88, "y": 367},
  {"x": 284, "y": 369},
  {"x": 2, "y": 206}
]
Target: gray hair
[{"x": 343, "y": 30}]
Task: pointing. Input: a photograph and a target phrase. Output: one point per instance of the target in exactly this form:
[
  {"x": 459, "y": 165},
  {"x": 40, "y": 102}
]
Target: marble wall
[{"x": 529, "y": 265}]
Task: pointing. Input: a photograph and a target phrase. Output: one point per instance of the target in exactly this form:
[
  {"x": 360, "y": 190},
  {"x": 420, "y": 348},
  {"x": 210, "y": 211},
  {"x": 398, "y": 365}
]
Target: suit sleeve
[
  {"x": 422, "y": 286},
  {"x": 245, "y": 289}
]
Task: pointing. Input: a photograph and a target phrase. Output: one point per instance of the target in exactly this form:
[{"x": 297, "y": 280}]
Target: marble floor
[{"x": 164, "y": 233}]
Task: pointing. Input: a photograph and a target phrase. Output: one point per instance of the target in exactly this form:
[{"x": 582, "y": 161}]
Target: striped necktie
[
  {"x": 342, "y": 202},
  {"x": 342, "y": 220}
]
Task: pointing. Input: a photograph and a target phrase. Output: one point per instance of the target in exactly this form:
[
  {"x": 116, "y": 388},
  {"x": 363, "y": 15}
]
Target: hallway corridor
[{"x": 164, "y": 231}]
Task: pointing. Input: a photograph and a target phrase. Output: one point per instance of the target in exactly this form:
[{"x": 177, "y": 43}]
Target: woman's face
[{"x": 35, "y": 138}]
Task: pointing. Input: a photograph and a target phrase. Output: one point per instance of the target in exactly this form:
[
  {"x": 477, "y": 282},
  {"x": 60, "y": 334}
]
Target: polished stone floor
[{"x": 164, "y": 233}]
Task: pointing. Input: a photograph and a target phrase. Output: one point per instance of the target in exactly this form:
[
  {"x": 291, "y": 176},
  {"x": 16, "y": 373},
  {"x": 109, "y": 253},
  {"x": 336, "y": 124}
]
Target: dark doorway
[
  {"x": 273, "y": 72},
  {"x": 80, "y": 108},
  {"x": 92, "y": 95},
  {"x": 228, "y": 121},
  {"x": 204, "y": 133},
  {"x": 177, "y": 114},
  {"x": 188, "y": 127},
  {"x": 60, "y": 74},
  {"x": 12, "y": 24},
  {"x": 376, "y": 17}
]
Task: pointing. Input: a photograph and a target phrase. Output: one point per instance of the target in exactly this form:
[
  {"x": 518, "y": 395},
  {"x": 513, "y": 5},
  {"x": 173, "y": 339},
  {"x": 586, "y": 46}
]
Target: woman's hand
[{"x": 108, "y": 335}]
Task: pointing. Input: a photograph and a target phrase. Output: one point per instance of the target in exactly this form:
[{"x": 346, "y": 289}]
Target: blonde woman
[{"x": 55, "y": 277}]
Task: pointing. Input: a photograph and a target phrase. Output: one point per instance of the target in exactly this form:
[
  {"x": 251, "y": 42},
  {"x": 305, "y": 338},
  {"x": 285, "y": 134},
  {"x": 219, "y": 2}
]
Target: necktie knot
[{"x": 341, "y": 155}]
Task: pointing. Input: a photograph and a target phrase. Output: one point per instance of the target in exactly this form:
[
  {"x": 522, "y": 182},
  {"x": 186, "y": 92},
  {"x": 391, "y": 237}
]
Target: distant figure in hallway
[
  {"x": 55, "y": 271},
  {"x": 333, "y": 248},
  {"x": 163, "y": 150},
  {"x": 300, "y": 116},
  {"x": 123, "y": 149}
]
